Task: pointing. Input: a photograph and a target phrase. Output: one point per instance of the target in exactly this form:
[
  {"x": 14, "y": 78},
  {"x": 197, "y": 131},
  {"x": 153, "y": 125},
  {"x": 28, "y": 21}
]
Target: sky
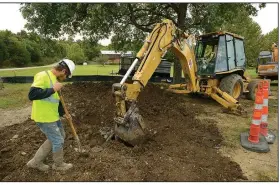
[{"x": 11, "y": 18}]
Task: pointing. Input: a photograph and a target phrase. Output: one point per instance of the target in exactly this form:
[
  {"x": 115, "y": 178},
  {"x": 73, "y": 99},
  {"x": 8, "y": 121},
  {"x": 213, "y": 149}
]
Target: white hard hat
[{"x": 70, "y": 64}]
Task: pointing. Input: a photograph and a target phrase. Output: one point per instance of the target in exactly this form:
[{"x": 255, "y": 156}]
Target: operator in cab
[{"x": 46, "y": 112}]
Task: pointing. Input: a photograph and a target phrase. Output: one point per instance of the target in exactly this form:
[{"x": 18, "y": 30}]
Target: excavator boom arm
[{"x": 165, "y": 36}]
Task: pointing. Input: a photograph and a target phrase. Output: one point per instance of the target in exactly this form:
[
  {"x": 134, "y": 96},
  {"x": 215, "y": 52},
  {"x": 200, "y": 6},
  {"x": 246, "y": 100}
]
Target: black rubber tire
[
  {"x": 251, "y": 88},
  {"x": 227, "y": 84}
]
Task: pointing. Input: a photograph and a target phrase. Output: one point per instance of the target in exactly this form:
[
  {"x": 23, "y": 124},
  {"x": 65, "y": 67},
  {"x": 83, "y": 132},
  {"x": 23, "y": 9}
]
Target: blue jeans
[{"x": 54, "y": 132}]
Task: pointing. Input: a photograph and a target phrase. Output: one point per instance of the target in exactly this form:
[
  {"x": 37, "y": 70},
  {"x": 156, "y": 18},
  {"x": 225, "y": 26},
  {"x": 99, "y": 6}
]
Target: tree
[
  {"x": 75, "y": 53},
  {"x": 19, "y": 56},
  {"x": 34, "y": 50},
  {"x": 90, "y": 48},
  {"x": 3, "y": 51},
  {"x": 129, "y": 22},
  {"x": 268, "y": 39},
  {"x": 251, "y": 32},
  {"x": 12, "y": 50}
]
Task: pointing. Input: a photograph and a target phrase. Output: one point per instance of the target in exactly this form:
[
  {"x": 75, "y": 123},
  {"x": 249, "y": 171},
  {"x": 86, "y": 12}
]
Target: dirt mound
[{"x": 180, "y": 148}]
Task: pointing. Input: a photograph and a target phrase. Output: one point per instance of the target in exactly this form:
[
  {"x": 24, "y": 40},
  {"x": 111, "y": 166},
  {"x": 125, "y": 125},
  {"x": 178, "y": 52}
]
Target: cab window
[
  {"x": 221, "y": 61},
  {"x": 240, "y": 53},
  {"x": 230, "y": 52}
]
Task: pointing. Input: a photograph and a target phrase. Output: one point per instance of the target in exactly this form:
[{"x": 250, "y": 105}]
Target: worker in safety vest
[{"x": 46, "y": 112}]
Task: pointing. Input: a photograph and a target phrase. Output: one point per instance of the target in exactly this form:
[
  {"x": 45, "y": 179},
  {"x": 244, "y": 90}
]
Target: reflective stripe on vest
[{"x": 51, "y": 98}]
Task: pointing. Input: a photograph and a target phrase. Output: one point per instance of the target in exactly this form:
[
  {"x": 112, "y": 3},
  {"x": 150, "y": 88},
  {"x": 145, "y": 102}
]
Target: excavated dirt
[{"x": 180, "y": 147}]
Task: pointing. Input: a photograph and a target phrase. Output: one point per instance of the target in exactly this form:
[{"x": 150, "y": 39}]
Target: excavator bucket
[{"x": 131, "y": 128}]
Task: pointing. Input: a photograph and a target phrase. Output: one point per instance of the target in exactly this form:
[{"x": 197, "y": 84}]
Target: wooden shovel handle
[{"x": 66, "y": 112}]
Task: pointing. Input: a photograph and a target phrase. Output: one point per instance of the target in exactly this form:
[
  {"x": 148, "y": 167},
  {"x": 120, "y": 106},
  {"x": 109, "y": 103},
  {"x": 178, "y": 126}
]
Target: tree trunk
[
  {"x": 182, "y": 11},
  {"x": 177, "y": 72}
]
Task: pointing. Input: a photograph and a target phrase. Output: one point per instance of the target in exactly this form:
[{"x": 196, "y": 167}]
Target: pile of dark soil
[{"x": 180, "y": 148}]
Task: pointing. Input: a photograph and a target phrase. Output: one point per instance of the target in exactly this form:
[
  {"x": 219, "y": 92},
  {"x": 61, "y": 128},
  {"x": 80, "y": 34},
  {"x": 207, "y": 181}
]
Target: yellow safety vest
[{"x": 45, "y": 110}]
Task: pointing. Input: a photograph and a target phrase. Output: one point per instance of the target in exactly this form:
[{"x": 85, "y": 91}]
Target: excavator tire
[
  {"x": 252, "y": 87},
  {"x": 233, "y": 85}
]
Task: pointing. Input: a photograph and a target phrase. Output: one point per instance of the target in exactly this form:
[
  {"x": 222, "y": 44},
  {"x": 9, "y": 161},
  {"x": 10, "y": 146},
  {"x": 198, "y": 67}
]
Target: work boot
[
  {"x": 41, "y": 154},
  {"x": 58, "y": 162}
]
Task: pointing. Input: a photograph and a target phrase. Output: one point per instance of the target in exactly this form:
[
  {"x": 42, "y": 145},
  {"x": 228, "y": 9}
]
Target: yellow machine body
[{"x": 166, "y": 36}]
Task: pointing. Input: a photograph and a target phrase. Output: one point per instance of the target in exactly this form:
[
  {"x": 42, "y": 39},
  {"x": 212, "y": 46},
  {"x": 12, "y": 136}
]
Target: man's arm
[
  {"x": 36, "y": 93},
  {"x": 38, "y": 88}
]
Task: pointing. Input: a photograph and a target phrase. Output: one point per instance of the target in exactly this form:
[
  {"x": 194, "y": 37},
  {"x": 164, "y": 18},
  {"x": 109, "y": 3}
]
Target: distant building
[{"x": 115, "y": 56}]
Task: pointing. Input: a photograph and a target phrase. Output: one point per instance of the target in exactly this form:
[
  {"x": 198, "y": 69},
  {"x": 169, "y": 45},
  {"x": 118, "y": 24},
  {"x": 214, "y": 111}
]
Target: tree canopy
[
  {"x": 268, "y": 39},
  {"x": 252, "y": 34},
  {"x": 100, "y": 20},
  {"x": 26, "y": 49},
  {"x": 129, "y": 23}
]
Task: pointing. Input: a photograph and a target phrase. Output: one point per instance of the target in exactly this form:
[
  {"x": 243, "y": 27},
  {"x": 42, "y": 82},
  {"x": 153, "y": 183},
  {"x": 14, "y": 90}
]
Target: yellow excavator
[{"x": 213, "y": 64}]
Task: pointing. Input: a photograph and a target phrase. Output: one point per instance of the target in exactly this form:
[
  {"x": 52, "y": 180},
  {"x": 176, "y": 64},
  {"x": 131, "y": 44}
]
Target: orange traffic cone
[
  {"x": 257, "y": 116},
  {"x": 253, "y": 140},
  {"x": 269, "y": 136}
]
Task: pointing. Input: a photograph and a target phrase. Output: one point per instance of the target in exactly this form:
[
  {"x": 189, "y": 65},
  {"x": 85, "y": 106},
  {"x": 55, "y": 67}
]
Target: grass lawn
[
  {"x": 23, "y": 72},
  {"x": 14, "y": 95},
  {"x": 252, "y": 73},
  {"x": 80, "y": 70},
  {"x": 96, "y": 70}
]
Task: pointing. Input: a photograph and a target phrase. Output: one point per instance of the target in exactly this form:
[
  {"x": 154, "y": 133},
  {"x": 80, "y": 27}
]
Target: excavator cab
[{"x": 219, "y": 53}]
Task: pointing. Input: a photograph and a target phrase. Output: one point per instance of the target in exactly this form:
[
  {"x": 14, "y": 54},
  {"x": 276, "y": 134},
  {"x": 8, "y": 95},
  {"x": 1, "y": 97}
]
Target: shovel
[{"x": 70, "y": 123}]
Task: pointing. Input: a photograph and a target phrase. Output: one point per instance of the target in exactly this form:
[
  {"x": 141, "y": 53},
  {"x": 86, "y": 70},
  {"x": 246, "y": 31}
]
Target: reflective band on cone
[
  {"x": 257, "y": 117},
  {"x": 255, "y": 126},
  {"x": 264, "y": 122}
]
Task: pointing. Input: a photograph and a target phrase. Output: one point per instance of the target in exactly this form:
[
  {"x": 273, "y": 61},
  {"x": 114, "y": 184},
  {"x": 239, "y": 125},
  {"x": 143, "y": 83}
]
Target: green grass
[
  {"x": 80, "y": 70},
  {"x": 252, "y": 73},
  {"x": 23, "y": 72},
  {"x": 14, "y": 95},
  {"x": 96, "y": 70},
  {"x": 171, "y": 71}
]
